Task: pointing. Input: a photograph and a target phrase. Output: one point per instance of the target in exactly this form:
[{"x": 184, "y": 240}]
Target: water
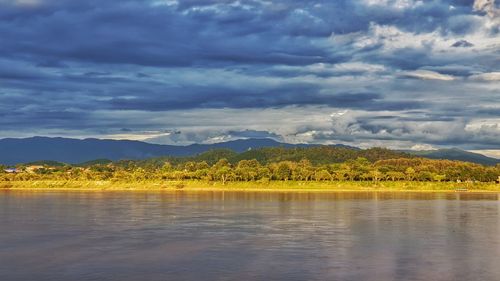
[{"x": 248, "y": 236}]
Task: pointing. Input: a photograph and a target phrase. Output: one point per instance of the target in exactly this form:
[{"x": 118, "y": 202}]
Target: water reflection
[{"x": 249, "y": 236}]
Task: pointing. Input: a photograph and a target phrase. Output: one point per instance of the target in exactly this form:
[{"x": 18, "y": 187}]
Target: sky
[{"x": 401, "y": 74}]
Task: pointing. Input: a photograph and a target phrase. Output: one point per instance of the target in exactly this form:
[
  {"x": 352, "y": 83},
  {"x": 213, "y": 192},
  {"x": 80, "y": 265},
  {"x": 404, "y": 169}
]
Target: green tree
[
  {"x": 223, "y": 174},
  {"x": 375, "y": 175},
  {"x": 322, "y": 175},
  {"x": 303, "y": 171},
  {"x": 221, "y": 171},
  {"x": 395, "y": 175},
  {"x": 438, "y": 177},
  {"x": 410, "y": 173},
  {"x": 283, "y": 170}
]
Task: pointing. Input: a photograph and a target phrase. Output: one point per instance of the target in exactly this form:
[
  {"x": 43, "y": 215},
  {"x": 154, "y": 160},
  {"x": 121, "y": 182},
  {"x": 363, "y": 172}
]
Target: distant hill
[
  {"x": 456, "y": 154},
  {"x": 73, "y": 151},
  {"x": 50, "y": 163},
  {"x": 317, "y": 155},
  {"x": 95, "y": 162}
]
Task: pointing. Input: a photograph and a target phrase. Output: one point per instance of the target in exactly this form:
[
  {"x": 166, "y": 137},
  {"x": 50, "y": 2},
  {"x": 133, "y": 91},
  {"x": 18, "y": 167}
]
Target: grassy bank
[{"x": 274, "y": 186}]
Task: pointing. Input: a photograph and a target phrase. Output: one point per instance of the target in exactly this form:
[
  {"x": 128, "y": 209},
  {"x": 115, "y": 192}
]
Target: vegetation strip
[
  {"x": 274, "y": 186},
  {"x": 320, "y": 168}
]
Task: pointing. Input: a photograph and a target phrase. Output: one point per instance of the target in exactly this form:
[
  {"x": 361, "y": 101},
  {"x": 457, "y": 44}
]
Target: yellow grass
[{"x": 273, "y": 186}]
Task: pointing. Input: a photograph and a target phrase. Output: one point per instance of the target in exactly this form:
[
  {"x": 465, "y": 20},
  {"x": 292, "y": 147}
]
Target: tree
[
  {"x": 283, "y": 170},
  {"x": 223, "y": 174},
  {"x": 303, "y": 171},
  {"x": 165, "y": 171},
  {"x": 394, "y": 175},
  {"x": 139, "y": 174},
  {"x": 247, "y": 170},
  {"x": 410, "y": 173},
  {"x": 264, "y": 173},
  {"x": 424, "y": 176},
  {"x": 221, "y": 171},
  {"x": 322, "y": 175},
  {"x": 375, "y": 175},
  {"x": 348, "y": 172},
  {"x": 178, "y": 175},
  {"x": 438, "y": 178},
  {"x": 222, "y": 163}
]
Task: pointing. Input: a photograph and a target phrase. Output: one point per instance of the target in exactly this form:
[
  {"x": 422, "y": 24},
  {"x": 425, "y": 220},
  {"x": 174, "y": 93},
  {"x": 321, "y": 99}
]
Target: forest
[{"x": 322, "y": 163}]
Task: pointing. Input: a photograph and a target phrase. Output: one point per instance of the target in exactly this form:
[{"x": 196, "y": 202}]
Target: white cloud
[
  {"x": 495, "y": 153},
  {"x": 395, "y": 4},
  {"x": 487, "y": 6},
  {"x": 164, "y": 2},
  {"x": 423, "y": 146},
  {"x": 359, "y": 66},
  {"x": 488, "y": 76},
  {"x": 428, "y": 75},
  {"x": 22, "y": 3},
  {"x": 490, "y": 9},
  {"x": 205, "y": 125},
  {"x": 139, "y": 136}
]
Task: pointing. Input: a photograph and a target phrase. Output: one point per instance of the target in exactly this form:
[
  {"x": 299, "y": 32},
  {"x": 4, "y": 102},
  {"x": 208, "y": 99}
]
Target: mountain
[
  {"x": 73, "y": 151},
  {"x": 456, "y": 154},
  {"x": 14, "y": 151}
]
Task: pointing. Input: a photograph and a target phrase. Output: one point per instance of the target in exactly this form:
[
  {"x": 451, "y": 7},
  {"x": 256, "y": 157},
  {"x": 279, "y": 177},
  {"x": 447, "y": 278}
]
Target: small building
[
  {"x": 11, "y": 170},
  {"x": 33, "y": 168}
]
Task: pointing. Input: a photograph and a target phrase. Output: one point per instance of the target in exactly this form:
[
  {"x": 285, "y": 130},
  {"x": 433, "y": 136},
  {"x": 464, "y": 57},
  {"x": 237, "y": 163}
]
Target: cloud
[
  {"x": 211, "y": 136},
  {"x": 359, "y": 126},
  {"x": 423, "y": 147},
  {"x": 490, "y": 8},
  {"x": 487, "y": 6},
  {"x": 404, "y": 72},
  {"x": 22, "y": 3},
  {"x": 495, "y": 153},
  {"x": 428, "y": 75},
  {"x": 462, "y": 43},
  {"x": 490, "y": 76}
]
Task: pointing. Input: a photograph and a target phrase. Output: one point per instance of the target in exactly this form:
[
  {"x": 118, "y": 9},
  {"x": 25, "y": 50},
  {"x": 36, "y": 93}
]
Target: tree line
[{"x": 274, "y": 164}]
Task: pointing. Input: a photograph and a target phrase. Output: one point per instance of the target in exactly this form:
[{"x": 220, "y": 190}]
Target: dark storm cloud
[
  {"x": 73, "y": 65},
  {"x": 195, "y": 33},
  {"x": 462, "y": 43},
  {"x": 136, "y": 33},
  {"x": 254, "y": 134},
  {"x": 293, "y": 94}
]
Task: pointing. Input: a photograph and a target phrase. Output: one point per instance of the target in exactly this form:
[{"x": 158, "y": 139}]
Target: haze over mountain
[
  {"x": 456, "y": 154},
  {"x": 14, "y": 151}
]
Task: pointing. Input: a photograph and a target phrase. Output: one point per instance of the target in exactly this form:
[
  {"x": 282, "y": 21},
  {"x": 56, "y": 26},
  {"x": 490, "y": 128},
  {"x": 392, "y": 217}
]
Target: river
[{"x": 248, "y": 236}]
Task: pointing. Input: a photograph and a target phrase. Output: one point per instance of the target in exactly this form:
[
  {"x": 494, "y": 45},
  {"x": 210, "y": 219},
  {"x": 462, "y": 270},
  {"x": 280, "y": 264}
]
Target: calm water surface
[{"x": 248, "y": 236}]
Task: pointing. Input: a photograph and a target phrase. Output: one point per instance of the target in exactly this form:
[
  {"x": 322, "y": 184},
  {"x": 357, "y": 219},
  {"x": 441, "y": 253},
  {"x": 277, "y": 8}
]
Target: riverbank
[{"x": 273, "y": 186}]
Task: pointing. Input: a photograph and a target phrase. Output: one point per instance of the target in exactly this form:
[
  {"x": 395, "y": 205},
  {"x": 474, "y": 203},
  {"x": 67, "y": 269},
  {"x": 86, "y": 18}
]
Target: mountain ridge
[
  {"x": 73, "y": 151},
  {"x": 24, "y": 150}
]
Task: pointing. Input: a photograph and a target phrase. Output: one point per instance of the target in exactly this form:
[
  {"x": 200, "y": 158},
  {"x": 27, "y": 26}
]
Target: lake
[{"x": 248, "y": 236}]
